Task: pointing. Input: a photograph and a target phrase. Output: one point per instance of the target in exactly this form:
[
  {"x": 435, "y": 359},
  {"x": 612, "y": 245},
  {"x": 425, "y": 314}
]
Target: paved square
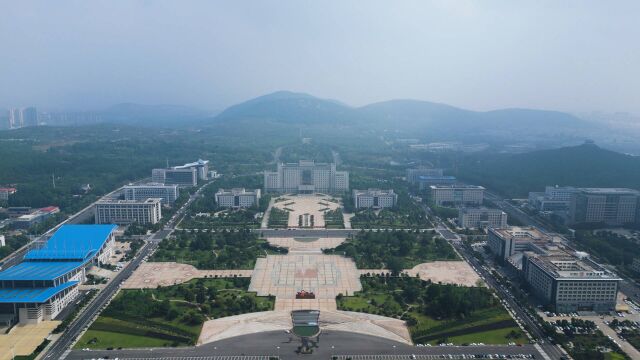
[
  {"x": 306, "y": 243},
  {"x": 306, "y": 204},
  {"x": 325, "y": 275}
]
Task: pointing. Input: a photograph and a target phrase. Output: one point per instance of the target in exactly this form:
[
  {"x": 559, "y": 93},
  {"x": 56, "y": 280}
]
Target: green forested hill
[{"x": 584, "y": 166}]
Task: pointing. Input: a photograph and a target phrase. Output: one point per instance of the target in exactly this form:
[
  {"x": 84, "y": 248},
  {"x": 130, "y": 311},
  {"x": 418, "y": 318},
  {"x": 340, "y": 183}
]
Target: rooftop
[
  {"x": 36, "y": 270},
  {"x": 457, "y": 186},
  {"x": 610, "y": 191},
  {"x": 237, "y": 191},
  {"x": 527, "y": 233},
  {"x": 564, "y": 264},
  {"x": 73, "y": 242},
  {"x": 200, "y": 162},
  {"x": 32, "y": 295},
  {"x": 372, "y": 192},
  {"x": 132, "y": 202}
]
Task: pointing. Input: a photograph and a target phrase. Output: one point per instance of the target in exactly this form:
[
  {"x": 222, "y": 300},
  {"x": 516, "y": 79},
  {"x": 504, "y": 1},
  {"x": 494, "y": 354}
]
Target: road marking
[{"x": 542, "y": 352}]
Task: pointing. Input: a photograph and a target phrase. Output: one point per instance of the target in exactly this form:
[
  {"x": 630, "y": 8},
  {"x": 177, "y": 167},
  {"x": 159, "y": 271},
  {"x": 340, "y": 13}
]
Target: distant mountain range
[{"x": 420, "y": 119}]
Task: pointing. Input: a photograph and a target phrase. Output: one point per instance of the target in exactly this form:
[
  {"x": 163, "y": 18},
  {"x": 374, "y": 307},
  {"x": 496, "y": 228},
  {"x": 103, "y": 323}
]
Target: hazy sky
[{"x": 566, "y": 55}]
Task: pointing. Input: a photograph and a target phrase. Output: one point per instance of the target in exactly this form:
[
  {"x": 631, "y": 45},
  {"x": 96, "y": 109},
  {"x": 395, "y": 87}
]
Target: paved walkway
[
  {"x": 24, "y": 338},
  {"x": 445, "y": 272},
  {"x": 314, "y": 205},
  {"x": 150, "y": 275}
]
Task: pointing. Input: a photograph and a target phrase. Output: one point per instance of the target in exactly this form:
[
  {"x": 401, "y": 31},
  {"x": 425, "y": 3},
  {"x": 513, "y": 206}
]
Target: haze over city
[
  {"x": 574, "y": 56},
  {"x": 330, "y": 180}
]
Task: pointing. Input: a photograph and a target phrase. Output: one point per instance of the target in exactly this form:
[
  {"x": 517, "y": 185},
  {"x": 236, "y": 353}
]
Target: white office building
[
  {"x": 201, "y": 166},
  {"x": 238, "y": 198},
  {"x": 306, "y": 177},
  {"x": 506, "y": 242},
  {"x": 182, "y": 177},
  {"x": 457, "y": 194},
  {"x": 124, "y": 212},
  {"x": 481, "y": 218},
  {"x": 554, "y": 198},
  {"x": 168, "y": 193},
  {"x": 569, "y": 281},
  {"x": 374, "y": 198}
]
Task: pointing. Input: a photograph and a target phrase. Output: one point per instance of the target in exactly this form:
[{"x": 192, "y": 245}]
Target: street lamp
[{"x": 278, "y": 347}]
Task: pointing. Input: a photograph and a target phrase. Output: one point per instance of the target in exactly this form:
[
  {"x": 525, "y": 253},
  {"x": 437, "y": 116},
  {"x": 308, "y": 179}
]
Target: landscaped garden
[
  {"x": 333, "y": 219},
  {"x": 436, "y": 313},
  {"x": 395, "y": 250},
  {"x": 278, "y": 218},
  {"x": 220, "y": 250},
  {"x": 170, "y": 316}
]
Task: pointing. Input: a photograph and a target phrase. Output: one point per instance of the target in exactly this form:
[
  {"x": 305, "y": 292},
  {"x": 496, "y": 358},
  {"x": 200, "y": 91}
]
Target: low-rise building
[
  {"x": 168, "y": 193},
  {"x": 482, "y": 217},
  {"x": 123, "y": 212},
  {"x": 6, "y": 192},
  {"x": 28, "y": 220},
  {"x": 374, "y": 198},
  {"x": 424, "y": 182},
  {"x": 569, "y": 281},
  {"x": 457, "y": 194},
  {"x": 413, "y": 175},
  {"x": 554, "y": 198},
  {"x": 238, "y": 198}
]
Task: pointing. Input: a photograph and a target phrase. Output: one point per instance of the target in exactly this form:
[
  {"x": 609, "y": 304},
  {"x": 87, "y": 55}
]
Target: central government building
[{"x": 306, "y": 177}]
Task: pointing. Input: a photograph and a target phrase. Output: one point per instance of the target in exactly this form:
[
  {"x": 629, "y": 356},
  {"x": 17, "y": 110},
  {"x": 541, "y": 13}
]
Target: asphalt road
[{"x": 279, "y": 343}]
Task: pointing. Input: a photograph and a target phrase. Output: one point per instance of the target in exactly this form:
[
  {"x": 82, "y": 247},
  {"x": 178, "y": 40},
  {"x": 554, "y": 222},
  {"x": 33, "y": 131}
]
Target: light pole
[{"x": 278, "y": 347}]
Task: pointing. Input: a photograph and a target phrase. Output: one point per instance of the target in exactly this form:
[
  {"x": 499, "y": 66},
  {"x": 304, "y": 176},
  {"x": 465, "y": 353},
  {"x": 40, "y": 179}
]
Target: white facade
[
  {"x": 570, "y": 282},
  {"x": 306, "y": 177},
  {"x": 374, "y": 198},
  {"x": 238, "y": 198},
  {"x": 475, "y": 218},
  {"x": 148, "y": 211},
  {"x": 168, "y": 193},
  {"x": 504, "y": 242},
  {"x": 457, "y": 194},
  {"x": 201, "y": 166}
]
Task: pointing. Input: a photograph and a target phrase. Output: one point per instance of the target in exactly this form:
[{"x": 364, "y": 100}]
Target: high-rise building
[
  {"x": 306, "y": 177},
  {"x": 374, "y": 198},
  {"x": 457, "y": 194},
  {"x": 15, "y": 118},
  {"x": 147, "y": 211},
  {"x": 414, "y": 174},
  {"x": 612, "y": 206},
  {"x": 482, "y": 217},
  {"x": 168, "y": 193},
  {"x": 569, "y": 281},
  {"x": 237, "y": 198},
  {"x": 29, "y": 116}
]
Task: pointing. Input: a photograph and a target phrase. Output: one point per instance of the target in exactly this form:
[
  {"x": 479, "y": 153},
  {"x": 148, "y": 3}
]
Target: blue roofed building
[{"x": 47, "y": 280}]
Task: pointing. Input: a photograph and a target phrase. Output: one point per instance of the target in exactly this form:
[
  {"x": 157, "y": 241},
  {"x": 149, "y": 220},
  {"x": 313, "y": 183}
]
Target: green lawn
[
  {"x": 429, "y": 311},
  {"x": 395, "y": 250},
  {"x": 170, "y": 316},
  {"x": 222, "y": 250}
]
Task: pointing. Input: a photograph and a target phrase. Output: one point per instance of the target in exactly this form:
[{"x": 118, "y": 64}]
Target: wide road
[
  {"x": 279, "y": 343},
  {"x": 316, "y": 232},
  {"x": 88, "y": 315}
]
